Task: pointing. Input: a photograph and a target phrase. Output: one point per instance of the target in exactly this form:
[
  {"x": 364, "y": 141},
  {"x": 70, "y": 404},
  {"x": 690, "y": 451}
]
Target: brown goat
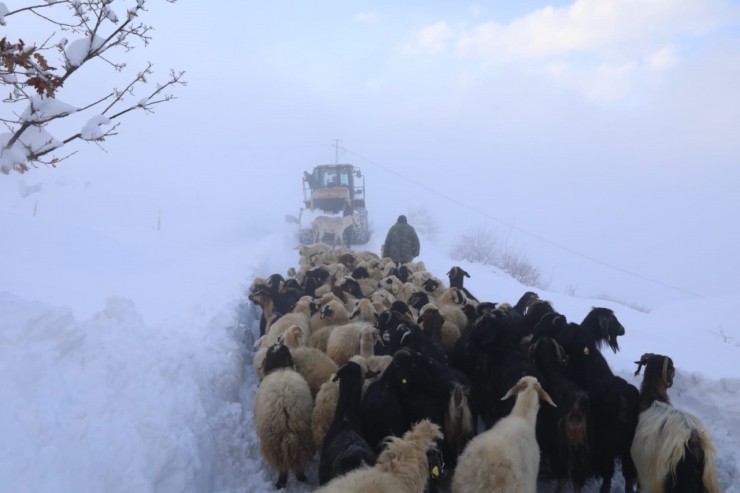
[{"x": 672, "y": 448}]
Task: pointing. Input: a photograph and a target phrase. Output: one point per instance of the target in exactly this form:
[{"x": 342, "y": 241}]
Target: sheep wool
[
  {"x": 402, "y": 467},
  {"x": 282, "y": 417},
  {"x": 505, "y": 458}
]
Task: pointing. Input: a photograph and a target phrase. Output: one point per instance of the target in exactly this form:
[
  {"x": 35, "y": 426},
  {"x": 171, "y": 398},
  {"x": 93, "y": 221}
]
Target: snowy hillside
[{"x": 114, "y": 402}]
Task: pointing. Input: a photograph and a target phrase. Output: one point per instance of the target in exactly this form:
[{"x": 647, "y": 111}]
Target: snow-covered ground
[{"x": 126, "y": 349}]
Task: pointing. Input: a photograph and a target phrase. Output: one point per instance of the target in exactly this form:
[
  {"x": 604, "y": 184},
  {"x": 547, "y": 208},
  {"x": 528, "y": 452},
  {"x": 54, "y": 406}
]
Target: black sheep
[
  {"x": 457, "y": 275},
  {"x": 418, "y": 300},
  {"x": 412, "y": 336},
  {"x": 381, "y": 413},
  {"x": 344, "y": 448}
]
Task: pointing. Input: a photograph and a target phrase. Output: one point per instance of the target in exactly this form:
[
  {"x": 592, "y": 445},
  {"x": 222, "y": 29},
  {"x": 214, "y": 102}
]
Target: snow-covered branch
[{"x": 33, "y": 78}]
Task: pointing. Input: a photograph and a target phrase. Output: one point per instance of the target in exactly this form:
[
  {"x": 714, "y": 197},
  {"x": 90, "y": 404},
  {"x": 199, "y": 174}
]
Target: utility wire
[{"x": 533, "y": 235}]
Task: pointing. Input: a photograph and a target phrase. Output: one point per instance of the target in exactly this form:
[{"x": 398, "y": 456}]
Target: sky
[{"x": 597, "y": 136}]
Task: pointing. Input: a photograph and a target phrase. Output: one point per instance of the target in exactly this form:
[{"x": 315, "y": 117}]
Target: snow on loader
[{"x": 336, "y": 190}]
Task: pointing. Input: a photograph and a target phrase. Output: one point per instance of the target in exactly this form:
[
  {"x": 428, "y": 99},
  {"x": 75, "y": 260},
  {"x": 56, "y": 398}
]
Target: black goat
[
  {"x": 436, "y": 392},
  {"x": 344, "y": 448},
  {"x": 614, "y": 403},
  {"x": 563, "y": 432}
]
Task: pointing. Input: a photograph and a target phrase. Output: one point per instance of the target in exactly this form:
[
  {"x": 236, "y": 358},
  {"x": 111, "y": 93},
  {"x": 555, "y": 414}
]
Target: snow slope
[{"x": 133, "y": 371}]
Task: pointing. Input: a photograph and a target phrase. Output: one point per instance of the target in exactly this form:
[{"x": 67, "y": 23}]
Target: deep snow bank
[{"x": 110, "y": 404}]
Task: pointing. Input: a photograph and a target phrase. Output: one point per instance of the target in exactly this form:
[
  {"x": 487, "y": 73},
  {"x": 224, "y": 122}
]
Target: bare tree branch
[{"x": 24, "y": 70}]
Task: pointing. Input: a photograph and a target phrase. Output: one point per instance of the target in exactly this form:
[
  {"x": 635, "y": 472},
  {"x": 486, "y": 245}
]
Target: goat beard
[{"x": 575, "y": 429}]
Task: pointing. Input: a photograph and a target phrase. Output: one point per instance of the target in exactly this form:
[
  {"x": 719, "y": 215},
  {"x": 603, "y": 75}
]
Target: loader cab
[
  {"x": 333, "y": 176},
  {"x": 333, "y": 186}
]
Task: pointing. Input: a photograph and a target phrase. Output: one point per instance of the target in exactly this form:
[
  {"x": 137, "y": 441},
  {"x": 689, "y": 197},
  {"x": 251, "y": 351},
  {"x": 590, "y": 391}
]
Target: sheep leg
[
  {"x": 606, "y": 486},
  {"x": 282, "y": 481},
  {"x": 301, "y": 476}
]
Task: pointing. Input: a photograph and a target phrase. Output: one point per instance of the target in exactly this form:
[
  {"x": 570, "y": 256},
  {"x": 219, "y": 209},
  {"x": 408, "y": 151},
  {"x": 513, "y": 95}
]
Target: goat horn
[
  {"x": 665, "y": 372},
  {"x": 559, "y": 351},
  {"x": 643, "y": 361}
]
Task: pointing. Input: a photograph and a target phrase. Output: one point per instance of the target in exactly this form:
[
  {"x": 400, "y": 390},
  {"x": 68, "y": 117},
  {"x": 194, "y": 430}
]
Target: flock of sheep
[{"x": 405, "y": 383}]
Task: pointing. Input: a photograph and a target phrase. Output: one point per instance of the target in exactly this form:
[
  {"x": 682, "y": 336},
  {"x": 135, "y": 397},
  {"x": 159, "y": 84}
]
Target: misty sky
[{"x": 608, "y": 127}]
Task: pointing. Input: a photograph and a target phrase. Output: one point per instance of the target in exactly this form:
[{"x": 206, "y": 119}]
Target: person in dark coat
[{"x": 402, "y": 243}]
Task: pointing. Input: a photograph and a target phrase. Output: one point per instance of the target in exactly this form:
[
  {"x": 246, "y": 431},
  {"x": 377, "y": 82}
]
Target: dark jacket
[{"x": 402, "y": 243}]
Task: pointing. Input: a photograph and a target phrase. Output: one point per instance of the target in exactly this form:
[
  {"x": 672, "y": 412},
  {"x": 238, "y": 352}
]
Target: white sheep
[
  {"x": 331, "y": 313},
  {"x": 449, "y": 303},
  {"x": 505, "y": 458},
  {"x": 344, "y": 341},
  {"x": 402, "y": 467},
  {"x": 310, "y": 250},
  {"x": 382, "y": 298},
  {"x": 301, "y": 316},
  {"x": 282, "y": 416},
  {"x": 375, "y": 364},
  {"x": 334, "y": 226},
  {"x": 315, "y": 366}
]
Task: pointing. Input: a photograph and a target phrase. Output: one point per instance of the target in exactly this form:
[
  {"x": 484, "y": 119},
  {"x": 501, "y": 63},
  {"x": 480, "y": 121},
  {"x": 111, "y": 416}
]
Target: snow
[
  {"x": 3, "y": 12},
  {"x": 129, "y": 348},
  {"x": 41, "y": 109},
  {"x": 79, "y": 49},
  {"x": 91, "y": 130},
  {"x": 35, "y": 138},
  {"x": 111, "y": 15}
]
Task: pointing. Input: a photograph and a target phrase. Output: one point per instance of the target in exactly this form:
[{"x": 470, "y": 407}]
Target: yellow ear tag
[
  {"x": 334, "y": 377},
  {"x": 435, "y": 471},
  {"x": 585, "y": 351},
  {"x": 322, "y": 315},
  {"x": 404, "y": 380},
  {"x": 294, "y": 368}
]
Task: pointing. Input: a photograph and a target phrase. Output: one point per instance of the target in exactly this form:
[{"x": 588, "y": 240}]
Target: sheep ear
[
  {"x": 419, "y": 320},
  {"x": 544, "y": 395},
  {"x": 515, "y": 390},
  {"x": 466, "y": 274},
  {"x": 258, "y": 342}
]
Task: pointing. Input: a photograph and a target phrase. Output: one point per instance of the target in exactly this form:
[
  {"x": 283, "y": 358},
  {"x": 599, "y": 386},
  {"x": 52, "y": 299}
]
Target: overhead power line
[{"x": 533, "y": 235}]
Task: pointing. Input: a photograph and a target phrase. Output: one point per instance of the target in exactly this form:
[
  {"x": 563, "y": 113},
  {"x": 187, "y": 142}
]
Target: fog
[{"x": 599, "y": 137}]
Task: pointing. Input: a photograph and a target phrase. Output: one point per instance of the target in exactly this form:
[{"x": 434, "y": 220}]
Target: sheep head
[
  {"x": 349, "y": 370},
  {"x": 529, "y": 383},
  {"x": 292, "y": 337},
  {"x": 485, "y": 307},
  {"x": 418, "y": 300},
  {"x": 365, "y": 310},
  {"x": 430, "y": 285},
  {"x": 424, "y": 432},
  {"x": 278, "y": 356},
  {"x": 527, "y": 299}
]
